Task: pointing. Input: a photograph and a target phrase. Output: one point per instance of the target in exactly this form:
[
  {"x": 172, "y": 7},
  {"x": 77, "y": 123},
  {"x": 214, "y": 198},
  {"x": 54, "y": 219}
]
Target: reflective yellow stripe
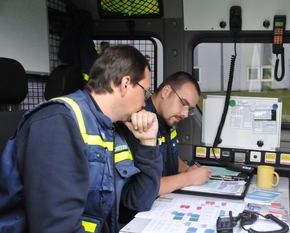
[
  {"x": 97, "y": 140},
  {"x": 89, "y": 139},
  {"x": 98, "y": 51},
  {"x": 94, "y": 139},
  {"x": 173, "y": 134},
  {"x": 123, "y": 156},
  {"x": 86, "y": 77},
  {"x": 89, "y": 226},
  {"x": 78, "y": 113}
]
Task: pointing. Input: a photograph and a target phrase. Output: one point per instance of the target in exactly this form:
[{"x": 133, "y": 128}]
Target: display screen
[{"x": 279, "y": 24}]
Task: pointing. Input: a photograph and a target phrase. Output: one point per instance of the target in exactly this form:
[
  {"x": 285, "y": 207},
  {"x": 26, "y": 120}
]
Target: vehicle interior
[{"x": 232, "y": 48}]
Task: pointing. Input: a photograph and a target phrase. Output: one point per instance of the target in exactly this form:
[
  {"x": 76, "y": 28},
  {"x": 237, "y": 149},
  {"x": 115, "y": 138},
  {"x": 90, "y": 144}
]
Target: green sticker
[{"x": 232, "y": 103}]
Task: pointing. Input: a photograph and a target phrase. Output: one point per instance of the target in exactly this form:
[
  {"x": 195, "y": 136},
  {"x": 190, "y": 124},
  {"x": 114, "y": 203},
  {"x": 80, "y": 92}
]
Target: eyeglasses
[
  {"x": 184, "y": 104},
  {"x": 147, "y": 93}
]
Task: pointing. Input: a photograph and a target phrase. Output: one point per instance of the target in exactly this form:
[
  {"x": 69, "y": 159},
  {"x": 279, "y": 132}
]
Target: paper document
[
  {"x": 223, "y": 181},
  {"x": 220, "y": 171},
  {"x": 174, "y": 215},
  {"x": 218, "y": 186},
  {"x": 262, "y": 196}
]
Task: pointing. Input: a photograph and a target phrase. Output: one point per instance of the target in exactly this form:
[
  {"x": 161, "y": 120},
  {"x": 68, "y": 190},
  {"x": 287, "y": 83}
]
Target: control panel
[{"x": 242, "y": 156}]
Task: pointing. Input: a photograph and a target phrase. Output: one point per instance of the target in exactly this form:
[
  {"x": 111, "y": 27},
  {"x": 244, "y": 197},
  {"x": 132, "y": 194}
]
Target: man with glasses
[
  {"x": 73, "y": 169},
  {"x": 147, "y": 93},
  {"x": 173, "y": 101}
]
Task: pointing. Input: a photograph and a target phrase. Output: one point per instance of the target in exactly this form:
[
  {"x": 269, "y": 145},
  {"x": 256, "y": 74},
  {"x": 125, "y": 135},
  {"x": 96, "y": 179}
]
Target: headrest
[
  {"x": 63, "y": 80},
  {"x": 13, "y": 81}
]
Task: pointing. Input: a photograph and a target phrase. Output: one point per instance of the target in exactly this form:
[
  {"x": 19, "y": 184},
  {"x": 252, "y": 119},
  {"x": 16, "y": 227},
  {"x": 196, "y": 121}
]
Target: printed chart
[{"x": 179, "y": 215}]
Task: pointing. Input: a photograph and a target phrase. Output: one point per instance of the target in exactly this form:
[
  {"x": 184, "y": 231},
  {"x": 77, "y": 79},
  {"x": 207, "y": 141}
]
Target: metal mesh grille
[
  {"x": 35, "y": 95},
  {"x": 58, "y": 24},
  {"x": 147, "y": 47},
  {"x": 123, "y": 8}
]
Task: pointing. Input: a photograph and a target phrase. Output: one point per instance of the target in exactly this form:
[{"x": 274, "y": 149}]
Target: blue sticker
[{"x": 275, "y": 106}]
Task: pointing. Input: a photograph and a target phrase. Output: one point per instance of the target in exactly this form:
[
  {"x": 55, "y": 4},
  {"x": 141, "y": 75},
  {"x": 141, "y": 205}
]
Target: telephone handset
[{"x": 279, "y": 30}]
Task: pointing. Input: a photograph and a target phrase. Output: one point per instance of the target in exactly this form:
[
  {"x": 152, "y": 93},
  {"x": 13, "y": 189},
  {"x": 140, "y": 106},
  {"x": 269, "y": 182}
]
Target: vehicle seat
[
  {"x": 63, "y": 80},
  {"x": 13, "y": 90}
]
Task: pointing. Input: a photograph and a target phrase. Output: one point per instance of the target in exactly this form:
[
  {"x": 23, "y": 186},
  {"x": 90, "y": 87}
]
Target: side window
[{"x": 253, "y": 72}]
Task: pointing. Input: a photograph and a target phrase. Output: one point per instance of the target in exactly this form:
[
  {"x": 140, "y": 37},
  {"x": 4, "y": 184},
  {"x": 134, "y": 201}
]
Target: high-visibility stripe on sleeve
[{"x": 89, "y": 226}]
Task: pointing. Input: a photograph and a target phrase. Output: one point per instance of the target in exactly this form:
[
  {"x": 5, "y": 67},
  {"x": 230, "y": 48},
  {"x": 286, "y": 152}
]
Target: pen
[
  {"x": 227, "y": 178},
  {"x": 216, "y": 178}
]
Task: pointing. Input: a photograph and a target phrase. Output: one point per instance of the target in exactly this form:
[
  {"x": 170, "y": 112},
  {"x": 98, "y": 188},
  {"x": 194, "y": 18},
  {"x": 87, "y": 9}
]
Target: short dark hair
[
  {"x": 177, "y": 79},
  {"x": 115, "y": 63}
]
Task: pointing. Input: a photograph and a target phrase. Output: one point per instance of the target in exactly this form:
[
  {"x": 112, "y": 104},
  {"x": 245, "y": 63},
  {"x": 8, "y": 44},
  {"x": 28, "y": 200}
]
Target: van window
[{"x": 253, "y": 72}]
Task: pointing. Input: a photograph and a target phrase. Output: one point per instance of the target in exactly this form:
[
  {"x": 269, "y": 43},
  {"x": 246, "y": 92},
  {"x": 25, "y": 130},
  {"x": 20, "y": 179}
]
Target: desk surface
[{"x": 156, "y": 220}]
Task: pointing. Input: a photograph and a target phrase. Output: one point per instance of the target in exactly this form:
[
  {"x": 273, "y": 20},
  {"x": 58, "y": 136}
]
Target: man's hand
[
  {"x": 198, "y": 175},
  {"x": 144, "y": 126}
]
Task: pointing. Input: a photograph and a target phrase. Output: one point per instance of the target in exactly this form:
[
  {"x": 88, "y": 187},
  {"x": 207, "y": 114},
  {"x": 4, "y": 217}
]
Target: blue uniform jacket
[
  {"x": 59, "y": 189},
  {"x": 169, "y": 143},
  {"x": 167, "y": 137}
]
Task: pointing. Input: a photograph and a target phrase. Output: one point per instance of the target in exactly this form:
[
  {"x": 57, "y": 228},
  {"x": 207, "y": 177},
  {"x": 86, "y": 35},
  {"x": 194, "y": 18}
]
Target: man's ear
[
  {"x": 165, "y": 92},
  {"x": 125, "y": 83}
]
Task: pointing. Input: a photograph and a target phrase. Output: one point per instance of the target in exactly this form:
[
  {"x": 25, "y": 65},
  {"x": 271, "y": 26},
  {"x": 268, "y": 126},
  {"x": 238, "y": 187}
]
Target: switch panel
[
  {"x": 240, "y": 156},
  {"x": 255, "y": 156}
]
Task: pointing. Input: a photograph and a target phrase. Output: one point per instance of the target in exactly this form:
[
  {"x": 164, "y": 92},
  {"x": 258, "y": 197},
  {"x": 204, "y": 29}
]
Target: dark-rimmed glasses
[
  {"x": 184, "y": 104},
  {"x": 147, "y": 93}
]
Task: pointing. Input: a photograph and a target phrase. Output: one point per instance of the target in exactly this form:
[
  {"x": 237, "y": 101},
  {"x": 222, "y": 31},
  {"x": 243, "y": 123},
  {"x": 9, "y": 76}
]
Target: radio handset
[{"x": 279, "y": 30}]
